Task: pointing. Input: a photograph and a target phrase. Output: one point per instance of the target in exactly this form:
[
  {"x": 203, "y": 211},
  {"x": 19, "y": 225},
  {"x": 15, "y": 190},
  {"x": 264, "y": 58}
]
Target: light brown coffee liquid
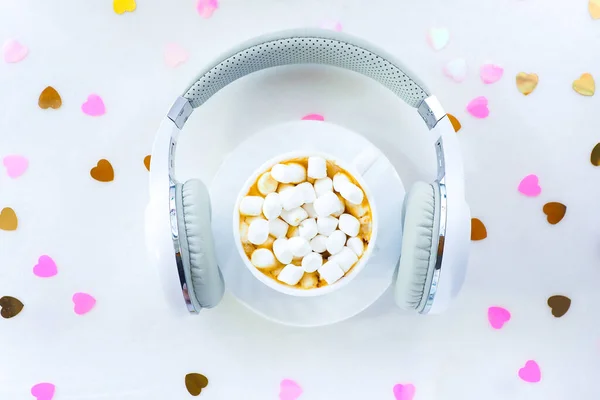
[{"x": 361, "y": 212}]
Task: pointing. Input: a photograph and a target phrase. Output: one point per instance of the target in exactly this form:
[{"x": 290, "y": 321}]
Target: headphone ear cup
[
  {"x": 419, "y": 246},
  {"x": 205, "y": 280}
]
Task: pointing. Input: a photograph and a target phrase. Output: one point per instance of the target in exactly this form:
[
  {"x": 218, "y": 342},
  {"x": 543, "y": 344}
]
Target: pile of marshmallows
[{"x": 317, "y": 214}]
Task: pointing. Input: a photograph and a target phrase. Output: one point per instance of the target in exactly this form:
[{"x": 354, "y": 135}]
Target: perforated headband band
[{"x": 309, "y": 47}]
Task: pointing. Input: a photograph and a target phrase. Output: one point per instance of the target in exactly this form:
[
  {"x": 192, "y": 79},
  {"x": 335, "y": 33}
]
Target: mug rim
[{"x": 273, "y": 283}]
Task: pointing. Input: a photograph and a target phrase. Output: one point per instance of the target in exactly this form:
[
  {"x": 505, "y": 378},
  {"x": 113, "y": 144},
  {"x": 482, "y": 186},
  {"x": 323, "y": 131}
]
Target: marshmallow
[
  {"x": 295, "y": 216},
  {"x": 318, "y": 244},
  {"x": 317, "y": 167},
  {"x": 330, "y": 272},
  {"x": 341, "y": 207},
  {"x": 323, "y": 186},
  {"x": 262, "y": 258},
  {"x": 310, "y": 209},
  {"x": 244, "y": 232},
  {"x": 308, "y": 192},
  {"x": 290, "y": 274},
  {"x": 312, "y": 262},
  {"x": 278, "y": 228},
  {"x": 271, "y": 207},
  {"x": 327, "y": 204},
  {"x": 326, "y": 225},
  {"x": 298, "y": 246},
  {"x": 346, "y": 258},
  {"x": 352, "y": 193},
  {"x": 355, "y": 209},
  {"x": 291, "y": 198},
  {"x": 282, "y": 251},
  {"x": 280, "y": 173},
  {"x": 349, "y": 224},
  {"x": 283, "y": 186},
  {"x": 308, "y": 228},
  {"x": 335, "y": 242},
  {"x": 251, "y": 205},
  {"x": 266, "y": 184},
  {"x": 296, "y": 172},
  {"x": 309, "y": 281},
  {"x": 356, "y": 245},
  {"x": 339, "y": 180},
  {"x": 258, "y": 231}
]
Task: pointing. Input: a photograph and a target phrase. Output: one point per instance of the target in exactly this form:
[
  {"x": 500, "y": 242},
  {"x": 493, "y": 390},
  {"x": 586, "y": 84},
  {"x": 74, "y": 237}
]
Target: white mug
[{"x": 358, "y": 167}]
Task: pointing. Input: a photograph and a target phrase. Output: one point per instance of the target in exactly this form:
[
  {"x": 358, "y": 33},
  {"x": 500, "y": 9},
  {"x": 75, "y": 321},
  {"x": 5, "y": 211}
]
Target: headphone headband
[{"x": 309, "y": 46}]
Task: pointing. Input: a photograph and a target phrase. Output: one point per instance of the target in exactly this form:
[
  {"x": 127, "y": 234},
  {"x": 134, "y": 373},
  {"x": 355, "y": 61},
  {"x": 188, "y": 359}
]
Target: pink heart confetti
[
  {"x": 491, "y": 73},
  {"x": 206, "y": 8},
  {"x": 404, "y": 392},
  {"x": 313, "y": 117},
  {"x": 529, "y": 186},
  {"x": 14, "y": 51},
  {"x": 43, "y": 391},
  {"x": 498, "y": 316},
  {"x": 438, "y": 38},
  {"x": 289, "y": 390},
  {"x": 83, "y": 303},
  {"x": 175, "y": 55},
  {"x": 15, "y": 165},
  {"x": 456, "y": 69},
  {"x": 94, "y": 106},
  {"x": 478, "y": 107},
  {"x": 45, "y": 268},
  {"x": 530, "y": 372}
]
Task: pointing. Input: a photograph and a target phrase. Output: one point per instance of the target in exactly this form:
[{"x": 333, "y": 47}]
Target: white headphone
[{"x": 436, "y": 218}]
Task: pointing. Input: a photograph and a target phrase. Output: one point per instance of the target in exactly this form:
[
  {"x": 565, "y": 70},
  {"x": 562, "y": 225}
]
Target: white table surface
[{"x": 130, "y": 346}]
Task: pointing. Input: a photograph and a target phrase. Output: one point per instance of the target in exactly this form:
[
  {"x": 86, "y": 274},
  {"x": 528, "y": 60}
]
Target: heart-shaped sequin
[
  {"x": 289, "y": 390},
  {"x": 194, "y": 383},
  {"x": 103, "y": 171},
  {"x": 404, "y": 391},
  {"x": 585, "y": 85},
  {"x": 595, "y": 155},
  {"x": 43, "y": 391},
  {"x": 14, "y": 51},
  {"x": 49, "y": 98},
  {"x": 559, "y": 305},
  {"x": 8, "y": 219},
  {"x": 530, "y": 372},
  {"x": 594, "y": 8},
  {"x": 478, "y": 231},
  {"x": 83, "y": 303},
  {"x": 498, "y": 316},
  {"x": 478, "y": 107},
  {"x": 206, "y": 8},
  {"x": 530, "y": 186},
  {"x": 45, "y": 268},
  {"x": 526, "y": 83},
  {"x": 455, "y": 122},
  {"x": 147, "y": 162},
  {"x": 490, "y": 73},
  {"x": 438, "y": 38},
  {"x": 122, "y": 6},
  {"x": 11, "y": 306},
  {"x": 456, "y": 69},
  {"x": 554, "y": 211},
  {"x": 15, "y": 165}
]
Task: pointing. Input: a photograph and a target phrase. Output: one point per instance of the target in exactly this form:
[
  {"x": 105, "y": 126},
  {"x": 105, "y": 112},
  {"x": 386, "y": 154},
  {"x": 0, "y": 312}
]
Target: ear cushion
[
  {"x": 197, "y": 247},
  {"x": 419, "y": 246}
]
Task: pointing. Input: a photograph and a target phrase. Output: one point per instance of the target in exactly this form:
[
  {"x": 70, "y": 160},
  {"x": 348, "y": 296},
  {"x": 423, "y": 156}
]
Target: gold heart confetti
[
  {"x": 11, "y": 306},
  {"x": 49, "y": 98},
  {"x": 8, "y": 219},
  {"x": 559, "y": 305},
  {"x": 147, "y": 162},
  {"x": 103, "y": 171},
  {"x": 455, "y": 122},
  {"x": 194, "y": 383},
  {"x": 478, "y": 231},
  {"x": 585, "y": 85},
  {"x": 594, "y": 8},
  {"x": 595, "y": 156},
  {"x": 526, "y": 83},
  {"x": 555, "y": 212},
  {"x": 122, "y": 6}
]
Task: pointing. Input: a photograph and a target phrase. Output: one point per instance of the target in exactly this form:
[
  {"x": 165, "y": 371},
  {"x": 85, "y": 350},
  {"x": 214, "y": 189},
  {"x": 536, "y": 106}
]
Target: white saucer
[{"x": 388, "y": 194}]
